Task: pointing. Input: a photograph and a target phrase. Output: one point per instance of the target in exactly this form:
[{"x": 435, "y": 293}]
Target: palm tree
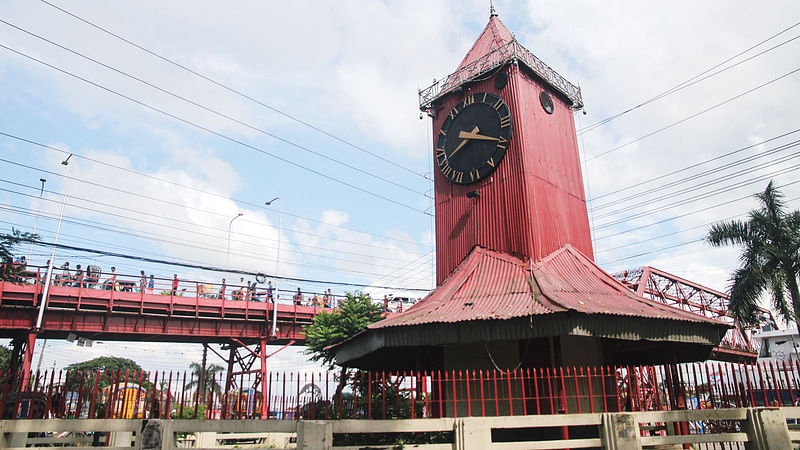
[
  {"x": 210, "y": 375},
  {"x": 770, "y": 258}
]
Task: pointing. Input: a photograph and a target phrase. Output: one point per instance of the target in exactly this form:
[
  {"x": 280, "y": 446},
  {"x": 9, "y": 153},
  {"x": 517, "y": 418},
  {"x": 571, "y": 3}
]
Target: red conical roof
[{"x": 494, "y": 36}]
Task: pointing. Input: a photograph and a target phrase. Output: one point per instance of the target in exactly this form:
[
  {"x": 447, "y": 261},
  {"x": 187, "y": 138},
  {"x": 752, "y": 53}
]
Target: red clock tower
[
  {"x": 530, "y": 201},
  {"x": 517, "y": 285}
]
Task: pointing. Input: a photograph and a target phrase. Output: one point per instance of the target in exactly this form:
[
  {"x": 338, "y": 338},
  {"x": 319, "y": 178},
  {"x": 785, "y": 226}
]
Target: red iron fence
[{"x": 417, "y": 394}]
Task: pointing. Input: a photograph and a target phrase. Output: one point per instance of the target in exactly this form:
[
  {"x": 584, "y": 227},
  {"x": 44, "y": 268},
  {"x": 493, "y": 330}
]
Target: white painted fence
[{"x": 760, "y": 428}]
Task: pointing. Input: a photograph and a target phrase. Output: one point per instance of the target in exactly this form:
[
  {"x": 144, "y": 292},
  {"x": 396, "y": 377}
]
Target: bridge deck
[{"x": 131, "y": 315}]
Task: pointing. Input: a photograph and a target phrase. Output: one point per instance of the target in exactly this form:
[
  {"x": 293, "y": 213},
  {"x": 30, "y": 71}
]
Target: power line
[
  {"x": 213, "y": 268},
  {"x": 191, "y": 188},
  {"x": 664, "y": 196},
  {"x": 692, "y": 166},
  {"x": 721, "y": 190},
  {"x": 694, "y": 115},
  {"x": 695, "y": 79},
  {"x": 192, "y": 244},
  {"x": 215, "y": 133},
  {"x": 360, "y": 243},
  {"x": 214, "y": 111},
  {"x": 683, "y": 230},
  {"x": 669, "y": 219},
  {"x": 232, "y": 90},
  {"x": 668, "y": 247}
]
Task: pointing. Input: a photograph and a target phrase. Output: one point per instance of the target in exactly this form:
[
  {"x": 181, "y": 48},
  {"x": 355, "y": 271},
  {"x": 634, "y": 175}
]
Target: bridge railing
[
  {"x": 69, "y": 281},
  {"x": 143, "y": 283},
  {"x": 390, "y": 395}
]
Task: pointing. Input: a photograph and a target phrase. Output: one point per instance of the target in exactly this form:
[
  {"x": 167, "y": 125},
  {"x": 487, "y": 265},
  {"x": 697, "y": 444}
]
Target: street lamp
[
  {"x": 36, "y": 221},
  {"x": 46, "y": 290},
  {"x": 228, "y": 253},
  {"x": 49, "y": 277},
  {"x": 277, "y": 261}
]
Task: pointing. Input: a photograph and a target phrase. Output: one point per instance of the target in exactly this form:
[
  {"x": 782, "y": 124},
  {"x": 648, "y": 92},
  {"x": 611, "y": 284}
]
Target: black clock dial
[{"x": 473, "y": 138}]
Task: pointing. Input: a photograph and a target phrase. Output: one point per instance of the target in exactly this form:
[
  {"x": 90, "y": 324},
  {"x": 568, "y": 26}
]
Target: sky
[{"x": 182, "y": 115}]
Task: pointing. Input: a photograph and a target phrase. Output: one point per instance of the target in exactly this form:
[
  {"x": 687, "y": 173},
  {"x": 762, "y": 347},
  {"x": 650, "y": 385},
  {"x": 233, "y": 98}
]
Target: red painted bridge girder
[
  {"x": 678, "y": 292},
  {"x": 134, "y": 316}
]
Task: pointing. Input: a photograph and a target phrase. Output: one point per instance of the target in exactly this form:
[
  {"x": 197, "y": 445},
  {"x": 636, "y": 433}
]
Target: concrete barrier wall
[{"x": 757, "y": 428}]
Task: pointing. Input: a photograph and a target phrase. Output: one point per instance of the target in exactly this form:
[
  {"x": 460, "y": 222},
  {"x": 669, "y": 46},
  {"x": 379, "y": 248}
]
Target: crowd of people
[{"x": 92, "y": 277}]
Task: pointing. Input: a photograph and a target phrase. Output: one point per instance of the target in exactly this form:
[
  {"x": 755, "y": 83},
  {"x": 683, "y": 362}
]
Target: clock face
[{"x": 473, "y": 138}]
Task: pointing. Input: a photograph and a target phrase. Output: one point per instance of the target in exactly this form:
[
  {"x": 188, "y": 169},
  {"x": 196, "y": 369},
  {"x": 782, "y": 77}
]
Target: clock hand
[
  {"x": 474, "y": 135},
  {"x": 463, "y": 143}
]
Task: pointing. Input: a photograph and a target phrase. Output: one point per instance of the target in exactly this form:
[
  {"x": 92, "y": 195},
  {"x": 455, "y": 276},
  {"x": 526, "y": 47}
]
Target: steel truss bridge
[
  {"x": 124, "y": 310},
  {"x": 663, "y": 287}
]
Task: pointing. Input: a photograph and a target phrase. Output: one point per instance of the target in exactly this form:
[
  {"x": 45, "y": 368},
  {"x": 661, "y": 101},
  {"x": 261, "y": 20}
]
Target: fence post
[
  {"x": 8, "y": 440},
  {"x": 766, "y": 429},
  {"x": 314, "y": 434},
  {"x": 472, "y": 433},
  {"x": 620, "y": 431},
  {"x": 156, "y": 434}
]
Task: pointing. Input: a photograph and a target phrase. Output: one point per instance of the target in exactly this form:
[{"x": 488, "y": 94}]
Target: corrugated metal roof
[
  {"x": 569, "y": 279},
  {"x": 493, "y": 36},
  {"x": 493, "y": 285}
]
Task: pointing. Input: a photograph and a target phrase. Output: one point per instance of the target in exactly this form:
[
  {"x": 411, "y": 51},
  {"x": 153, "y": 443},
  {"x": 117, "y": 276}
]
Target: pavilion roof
[{"x": 489, "y": 285}]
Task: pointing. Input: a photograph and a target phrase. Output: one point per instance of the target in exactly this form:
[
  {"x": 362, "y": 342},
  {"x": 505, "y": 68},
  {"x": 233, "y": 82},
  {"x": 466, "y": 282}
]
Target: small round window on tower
[{"x": 547, "y": 102}]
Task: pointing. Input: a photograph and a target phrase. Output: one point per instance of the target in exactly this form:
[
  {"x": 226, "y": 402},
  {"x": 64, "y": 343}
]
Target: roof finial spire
[{"x": 492, "y": 11}]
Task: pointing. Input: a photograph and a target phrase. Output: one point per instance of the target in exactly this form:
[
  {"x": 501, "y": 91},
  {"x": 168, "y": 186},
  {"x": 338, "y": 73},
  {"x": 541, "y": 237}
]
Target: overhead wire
[
  {"x": 230, "y": 89},
  {"x": 682, "y": 230},
  {"x": 682, "y": 215},
  {"x": 703, "y": 196},
  {"x": 293, "y": 230},
  {"x": 191, "y": 188},
  {"x": 214, "y": 111},
  {"x": 663, "y": 195},
  {"x": 213, "y": 132},
  {"x": 694, "y": 165},
  {"x": 215, "y": 268},
  {"x": 189, "y": 263},
  {"x": 692, "y": 116},
  {"x": 193, "y": 244},
  {"x": 696, "y": 79}
]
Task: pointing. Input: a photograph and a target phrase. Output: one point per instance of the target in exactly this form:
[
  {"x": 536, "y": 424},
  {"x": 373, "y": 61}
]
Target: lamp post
[
  {"x": 277, "y": 262},
  {"x": 36, "y": 221},
  {"x": 228, "y": 253},
  {"x": 49, "y": 276}
]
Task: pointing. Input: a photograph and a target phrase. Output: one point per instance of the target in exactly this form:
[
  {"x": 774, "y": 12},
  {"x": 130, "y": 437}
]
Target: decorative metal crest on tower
[{"x": 513, "y": 51}]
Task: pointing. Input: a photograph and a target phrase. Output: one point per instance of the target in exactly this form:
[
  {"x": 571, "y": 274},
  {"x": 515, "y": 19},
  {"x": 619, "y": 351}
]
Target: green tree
[
  {"x": 770, "y": 258},
  {"x": 9, "y": 271},
  {"x": 355, "y": 313},
  {"x": 210, "y": 376},
  {"x": 109, "y": 365},
  {"x": 5, "y": 357}
]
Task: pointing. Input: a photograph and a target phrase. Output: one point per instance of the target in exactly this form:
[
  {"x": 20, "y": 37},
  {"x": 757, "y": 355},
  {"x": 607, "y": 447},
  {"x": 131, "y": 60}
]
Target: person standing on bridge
[
  {"x": 270, "y": 291},
  {"x": 175, "y": 282},
  {"x": 65, "y": 275},
  {"x": 298, "y": 297},
  {"x": 151, "y": 283},
  {"x": 78, "y": 277},
  {"x": 111, "y": 282},
  {"x": 221, "y": 294}
]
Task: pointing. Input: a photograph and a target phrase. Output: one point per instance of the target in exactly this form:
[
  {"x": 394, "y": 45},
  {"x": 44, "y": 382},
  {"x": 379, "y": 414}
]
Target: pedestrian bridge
[{"x": 123, "y": 310}]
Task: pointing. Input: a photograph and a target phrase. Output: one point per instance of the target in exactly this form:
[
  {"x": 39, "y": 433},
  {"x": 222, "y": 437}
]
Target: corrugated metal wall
[{"x": 533, "y": 203}]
